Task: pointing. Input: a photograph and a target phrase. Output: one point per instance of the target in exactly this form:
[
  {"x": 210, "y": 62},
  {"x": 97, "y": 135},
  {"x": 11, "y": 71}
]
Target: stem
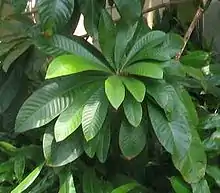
[{"x": 192, "y": 26}]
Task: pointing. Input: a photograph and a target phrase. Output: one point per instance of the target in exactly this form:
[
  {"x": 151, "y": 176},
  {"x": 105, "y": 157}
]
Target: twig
[{"x": 192, "y": 26}]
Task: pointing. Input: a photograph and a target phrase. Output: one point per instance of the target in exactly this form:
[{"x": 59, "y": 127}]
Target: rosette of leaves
[{"x": 134, "y": 77}]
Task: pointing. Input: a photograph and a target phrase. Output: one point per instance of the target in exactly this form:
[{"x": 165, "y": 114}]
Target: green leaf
[
  {"x": 125, "y": 188},
  {"x": 135, "y": 87},
  {"x": 173, "y": 134},
  {"x": 178, "y": 185},
  {"x": 130, "y": 11},
  {"x": 62, "y": 153},
  {"x": 19, "y": 167},
  {"x": 90, "y": 146},
  {"x": 214, "y": 172},
  {"x": 71, "y": 118},
  {"x": 59, "y": 45},
  {"x": 150, "y": 40},
  {"x": 211, "y": 121},
  {"x": 192, "y": 165},
  {"x": 201, "y": 187},
  {"x": 104, "y": 139},
  {"x": 90, "y": 182},
  {"x": 19, "y": 5},
  {"x": 13, "y": 55},
  {"x": 131, "y": 140},
  {"x": 107, "y": 29},
  {"x": 132, "y": 110},
  {"x": 49, "y": 101},
  {"x": 66, "y": 182},
  {"x": 115, "y": 91},
  {"x": 94, "y": 114},
  {"x": 54, "y": 14},
  {"x": 148, "y": 69},
  {"x": 71, "y": 64},
  {"x": 196, "y": 59},
  {"x": 5, "y": 47},
  {"x": 28, "y": 180}
]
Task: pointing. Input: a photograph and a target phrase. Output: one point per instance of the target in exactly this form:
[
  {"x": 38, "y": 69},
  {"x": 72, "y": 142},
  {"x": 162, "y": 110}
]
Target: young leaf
[
  {"x": 201, "y": 187},
  {"x": 49, "y": 101},
  {"x": 19, "y": 167},
  {"x": 94, "y": 114},
  {"x": 135, "y": 87},
  {"x": 178, "y": 185},
  {"x": 132, "y": 110},
  {"x": 131, "y": 140},
  {"x": 148, "y": 69},
  {"x": 62, "y": 153},
  {"x": 125, "y": 188},
  {"x": 71, "y": 64},
  {"x": 214, "y": 172},
  {"x": 54, "y": 14},
  {"x": 104, "y": 138},
  {"x": 115, "y": 91},
  {"x": 172, "y": 134},
  {"x": 28, "y": 180},
  {"x": 107, "y": 29},
  {"x": 66, "y": 182},
  {"x": 71, "y": 118},
  {"x": 192, "y": 165}
]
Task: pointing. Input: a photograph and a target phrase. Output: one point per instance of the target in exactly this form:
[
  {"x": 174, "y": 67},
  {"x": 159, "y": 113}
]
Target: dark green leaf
[
  {"x": 19, "y": 167},
  {"x": 19, "y": 5},
  {"x": 66, "y": 182},
  {"x": 179, "y": 186},
  {"x": 125, "y": 188},
  {"x": 131, "y": 140},
  {"x": 210, "y": 122},
  {"x": 90, "y": 182},
  {"x": 201, "y": 187},
  {"x": 214, "y": 172}
]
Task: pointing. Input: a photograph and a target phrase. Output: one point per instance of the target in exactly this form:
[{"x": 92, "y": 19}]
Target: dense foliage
[{"x": 123, "y": 116}]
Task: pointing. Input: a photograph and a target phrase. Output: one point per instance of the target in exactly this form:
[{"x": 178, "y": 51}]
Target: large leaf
[
  {"x": 71, "y": 64},
  {"x": 214, "y": 172},
  {"x": 211, "y": 121},
  {"x": 115, "y": 91},
  {"x": 49, "y": 101},
  {"x": 107, "y": 29},
  {"x": 104, "y": 138},
  {"x": 125, "y": 188},
  {"x": 149, "y": 41},
  {"x": 54, "y": 14},
  {"x": 58, "y": 45},
  {"x": 131, "y": 140},
  {"x": 90, "y": 182},
  {"x": 192, "y": 165},
  {"x": 28, "y": 180},
  {"x": 66, "y": 182},
  {"x": 172, "y": 134},
  {"x": 135, "y": 87},
  {"x": 132, "y": 110},
  {"x": 130, "y": 11},
  {"x": 71, "y": 118},
  {"x": 62, "y": 153},
  {"x": 201, "y": 187},
  {"x": 148, "y": 69},
  {"x": 94, "y": 114},
  {"x": 178, "y": 185},
  {"x": 90, "y": 146}
]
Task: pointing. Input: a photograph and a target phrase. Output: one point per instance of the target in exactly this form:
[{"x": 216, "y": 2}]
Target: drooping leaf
[
  {"x": 71, "y": 118},
  {"x": 150, "y": 40},
  {"x": 214, "y": 172},
  {"x": 125, "y": 188},
  {"x": 104, "y": 139},
  {"x": 64, "y": 152},
  {"x": 148, "y": 69},
  {"x": 192, "y": 165},
  {"x": 131, "y": 140},
  {"x": 54, "y": 14},
  {"x": 66, "y": 182},
  {"x": 71, "y": 64},
  {"x": 107, "y": 29},
  {"x": 94, "y": 114},
  {"x": 172, "y": 134},
  {"x": 135, "y": 87},
  {"x": 178, "y": 185},
  {"x": 90, "y": 147},
  {"x": 201, "y": 187},
  {"x": 49, "y": 101},
  {"x": 19, "y": 167},
  {"x": 115, "y": 91},
  {"x": 130, "y": 11},
  {"x": 28, "y": 180},
  {"x": 132, "y": 110}
]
